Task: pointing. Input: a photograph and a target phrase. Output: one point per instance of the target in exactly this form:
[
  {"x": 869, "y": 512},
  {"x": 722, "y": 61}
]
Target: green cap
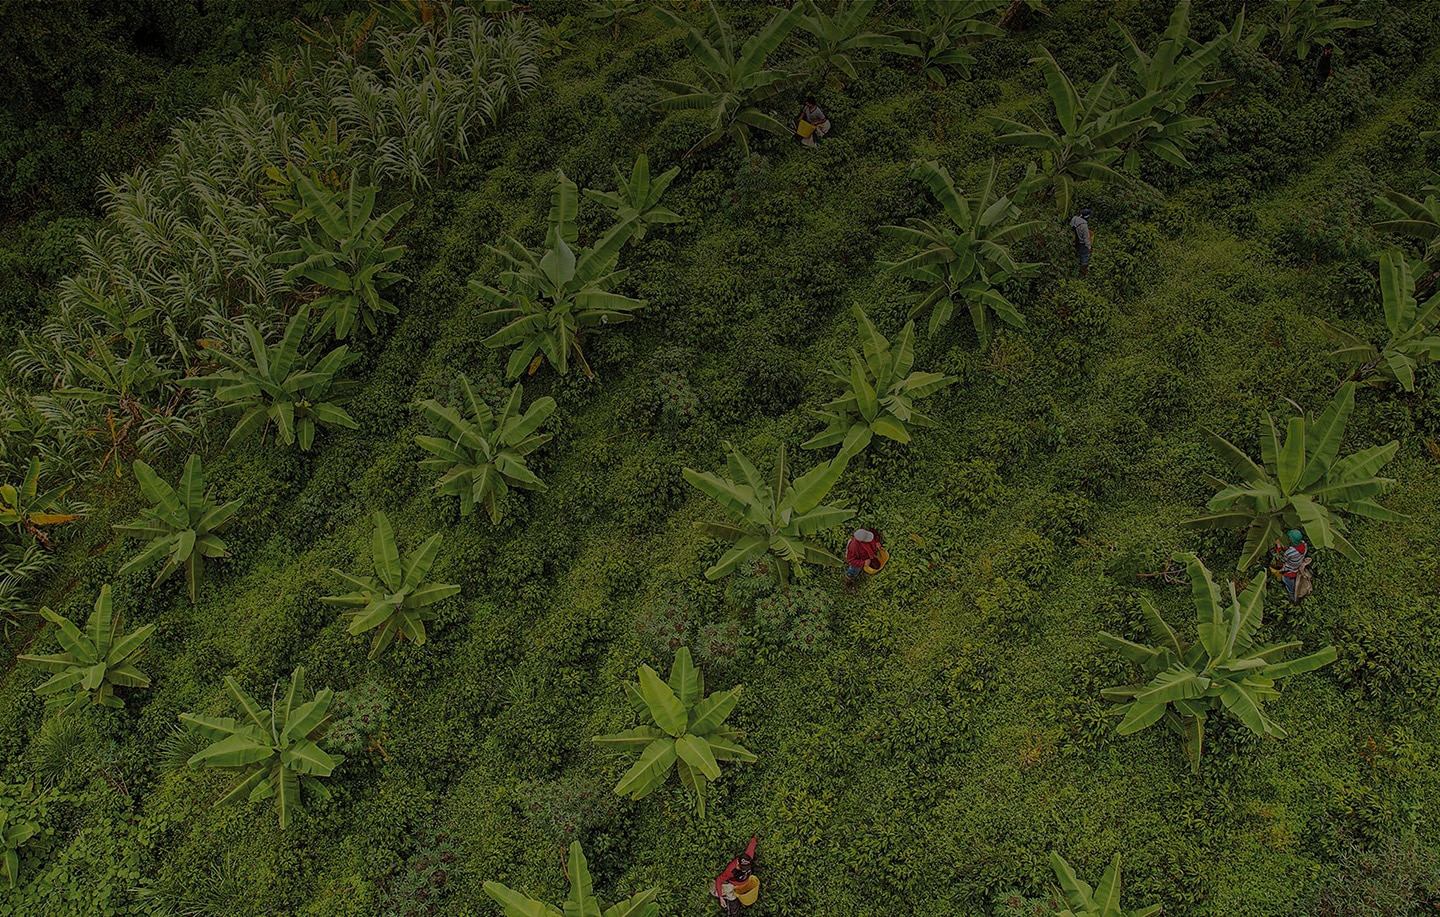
[{"x": 1295, "y": 536}]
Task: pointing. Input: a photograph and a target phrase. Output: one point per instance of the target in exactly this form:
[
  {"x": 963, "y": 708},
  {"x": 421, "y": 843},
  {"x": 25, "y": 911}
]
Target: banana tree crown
[
  {"x": 276, "y": 748},
  {"x": 688, "y": 731},
  {"x": 481, "y": 454},
  {"x": 1226, "y": 668},
  {"x": 183, "y": 523},
  {"x": 95, "y": 661},
  {"x": 581, "y": 901},
  {"x": 774, "y": 516},
  {"x": 1101, "y": 901},
  {"x": 1411, "y": 325},
  {"x": 1301, "y": 481},
  {"x": 879, "y": 391},
  {"x": 397, "y": 600}
]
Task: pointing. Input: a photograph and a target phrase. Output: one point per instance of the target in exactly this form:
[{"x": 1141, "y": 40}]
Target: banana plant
[
  {"x": 613, "y": 14},
  {"x": 275, "y": 749},
  {"x": 183, "y": 524},
  {"x": 733, "y": 82},
  {"x": 133, "y": 392},
  {"x": 15, "y": 835},
  {"x": 396, "y": 601},
  {"x": 281, "y": 385},
  {"x": 1300, "y": 483},
  {"x": 1088, "y": 139},
  {"x": 1225, "y": 669},
  {"x": 581, "y": 902},
  {"x": 776, "y": 517},
  {"x": 549, "y": 299},
  {"x": 835, "y": 38},
  {"x": 964, "y": 260},
  {"x": 686, "y": 732},
  {"x": 350, "y": 259},
  {"x": 1101, "y": 901},
  {"x": 1178, "y": 77},
  {"x": 28, "y": 508},
  {"x": 1304, "y": 23},
  {"x": 943, "y": 30},
  {"x": 1418, "y": 219},
  {"x": 480, "y": 454},
  {"x": 1412, "y": 343},
  {"x": 636, "y": 200},
  {"x": 95, "y": 662},
  {"x": 880, "y": 392}
]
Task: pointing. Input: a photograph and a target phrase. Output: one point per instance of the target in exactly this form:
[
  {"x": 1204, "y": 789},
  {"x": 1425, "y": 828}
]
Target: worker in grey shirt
[{"x": 1084, "y": 238}]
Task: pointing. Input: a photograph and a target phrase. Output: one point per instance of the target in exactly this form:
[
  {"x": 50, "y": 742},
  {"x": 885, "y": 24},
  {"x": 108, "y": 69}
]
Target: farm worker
[
  {"x": 1291, "y": 551},
  {"x": 1084, "y": 238},
  {"x": 863, "y": 548},
  {"x": 813, "y": 123},
  {"x": 737, "y": 883},
  {"x": 1324, "y": 66}
]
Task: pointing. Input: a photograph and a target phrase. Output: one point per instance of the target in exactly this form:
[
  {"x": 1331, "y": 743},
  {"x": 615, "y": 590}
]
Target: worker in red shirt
[
  {"x": 863, "y": 548},
  {"x": 738, "y": 879}
]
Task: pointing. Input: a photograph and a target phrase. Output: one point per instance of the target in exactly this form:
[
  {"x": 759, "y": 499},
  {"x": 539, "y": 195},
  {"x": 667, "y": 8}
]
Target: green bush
[{"x": 797, "y": 617}]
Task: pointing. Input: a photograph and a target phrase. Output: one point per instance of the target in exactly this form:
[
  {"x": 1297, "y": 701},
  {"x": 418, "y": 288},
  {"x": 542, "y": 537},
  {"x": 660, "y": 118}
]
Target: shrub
[
  {"x": 1030, "y": 557},
  {"x": 1397, "y": 877},
  {"x": 420, "y": 887},
  {"x": 720, "y": 643},
  {"x": 358, "y": 716},
  {"x": 670, "y": 624},
  {"x": 679, "y": 405},
  {"x": 634, "y": 103},
  {"x": 1008, "y": 606},
  {"x": 570, "y": 809},
  {"x": 749, "y": 585},
  {"x": 794, "y": 616},
  {"x": 974, "y": 486}
]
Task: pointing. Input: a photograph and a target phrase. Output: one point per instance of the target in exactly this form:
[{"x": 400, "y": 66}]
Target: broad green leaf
[
  {"x": 650, "y": 771},
  {"x": 665, "y": 707}
]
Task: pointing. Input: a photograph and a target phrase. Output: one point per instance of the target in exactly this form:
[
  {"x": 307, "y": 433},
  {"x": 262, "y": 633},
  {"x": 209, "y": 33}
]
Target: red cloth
[
  {"x": 1302, "y": 548},
  {"x": 731, "y": 871},
  {"x": 859, "y": 553}
]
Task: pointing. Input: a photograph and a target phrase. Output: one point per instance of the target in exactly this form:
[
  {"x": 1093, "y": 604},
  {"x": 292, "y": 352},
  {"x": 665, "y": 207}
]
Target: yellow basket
[
  {"x": 748, "y": 891},
  {"x": 804, "y": 128}
]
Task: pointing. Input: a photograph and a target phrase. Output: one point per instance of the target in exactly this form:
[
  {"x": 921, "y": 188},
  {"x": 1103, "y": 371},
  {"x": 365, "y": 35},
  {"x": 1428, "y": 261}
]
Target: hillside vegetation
[{"x": 533, "y": 405}]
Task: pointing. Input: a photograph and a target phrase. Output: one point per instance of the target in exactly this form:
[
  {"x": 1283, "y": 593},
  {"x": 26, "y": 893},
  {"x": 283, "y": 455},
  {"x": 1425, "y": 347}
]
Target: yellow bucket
[
  {"x": 748, "y": 891},
  {"x": 804, "y": 128}
]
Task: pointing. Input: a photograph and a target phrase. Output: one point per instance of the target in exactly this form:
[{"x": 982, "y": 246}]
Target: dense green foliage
[{"x": 922, "y": 745}]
